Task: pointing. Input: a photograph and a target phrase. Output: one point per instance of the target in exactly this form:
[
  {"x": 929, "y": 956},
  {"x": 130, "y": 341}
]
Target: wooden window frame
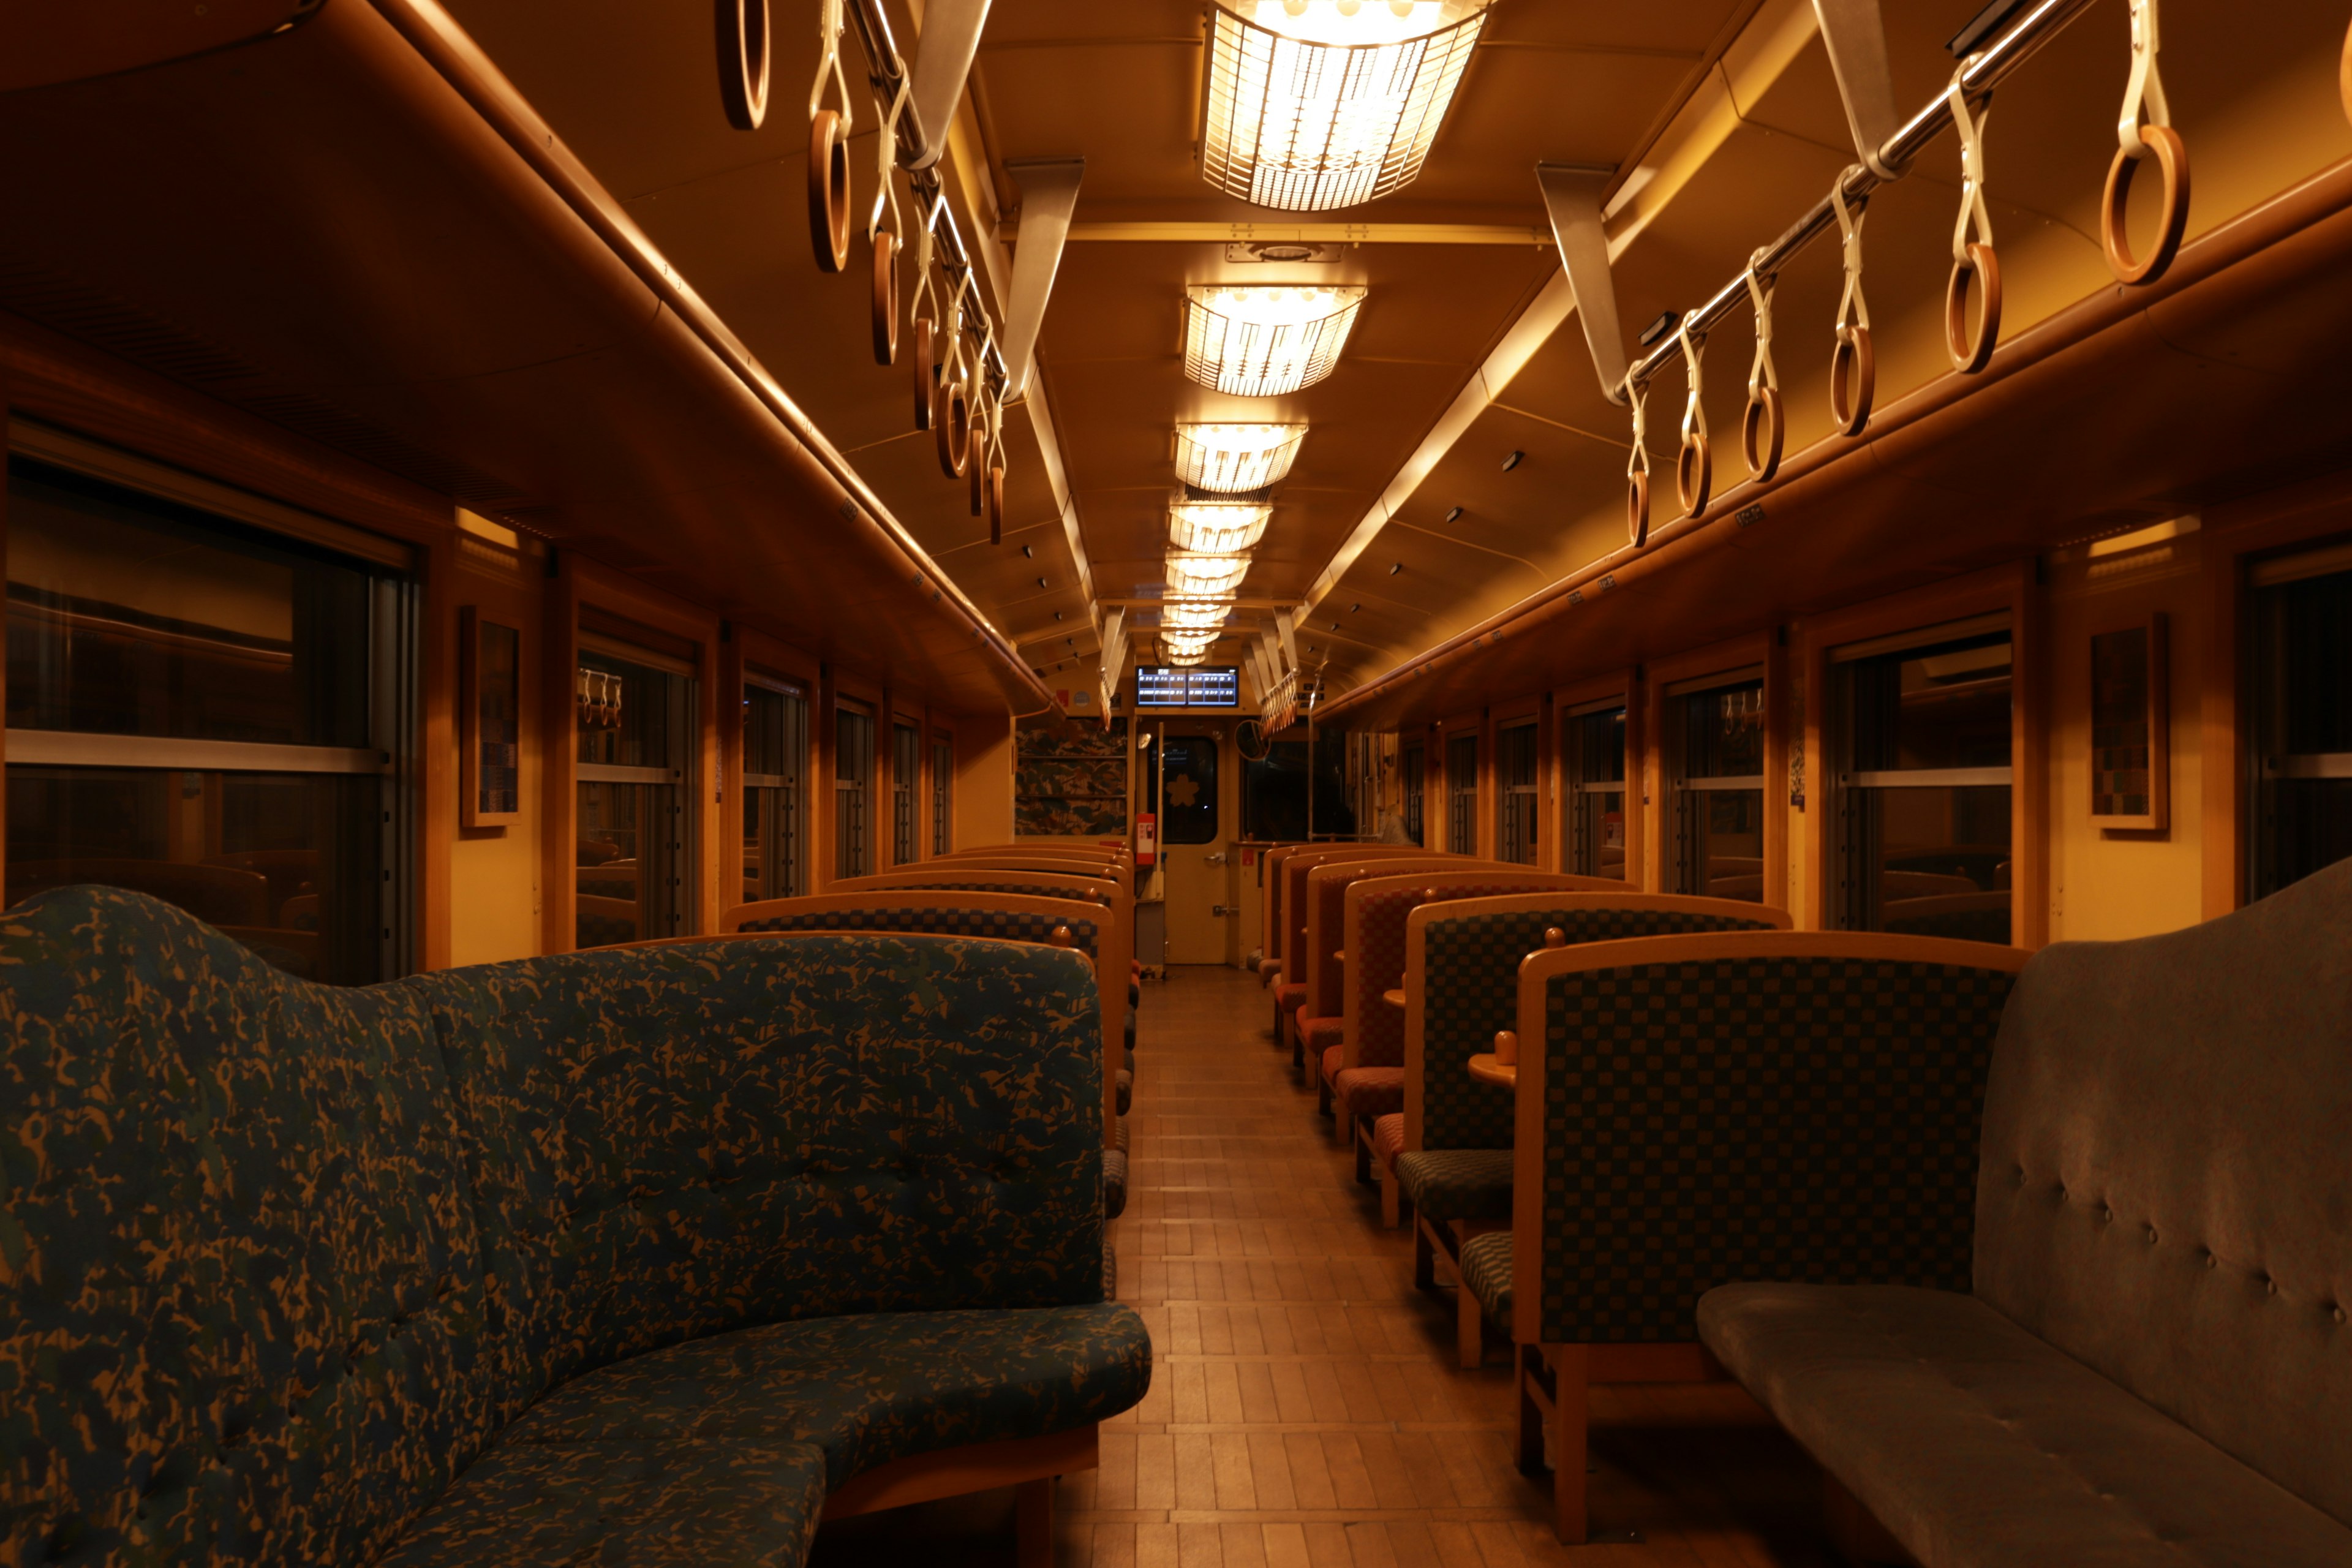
[
  {"x": 1623, "y": 686},
  {"x": 1727, "y": 658}
]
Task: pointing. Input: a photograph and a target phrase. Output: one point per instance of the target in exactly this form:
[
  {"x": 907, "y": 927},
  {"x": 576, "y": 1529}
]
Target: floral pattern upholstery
[
  {"x": 1114, "y": 1183},
  {"x": 281, "y": 1262},
  {"x": 1838, "y": 1076}
]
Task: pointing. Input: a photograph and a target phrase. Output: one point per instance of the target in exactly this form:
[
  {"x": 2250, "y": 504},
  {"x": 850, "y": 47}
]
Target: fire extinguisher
[{"x": 1147, "y": 838}]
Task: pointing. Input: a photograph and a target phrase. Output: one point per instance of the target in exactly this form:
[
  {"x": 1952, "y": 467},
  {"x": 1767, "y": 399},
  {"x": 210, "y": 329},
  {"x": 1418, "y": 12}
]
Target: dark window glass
[
  {"x": 906, "y": 765},
  {"x": 2301, "y": 688},
  {"x": 1415, "y": 781},
  {"x": 1717, "y": 817},
  {"x": 1514, "y": 754},
  {"x": 139, "y": 627},
  {"x": 853, "y": 793},
  {"x": 638, "y": 739},
  {"x": 1462, "y": 794},
  {"x": 1594, "y": 759},
  {"x": 1922, "y": 794},
  {"x": 1189, "y": 790},
  {"x": 776, "y": 794},
  {"x": 942, "y": 796}
]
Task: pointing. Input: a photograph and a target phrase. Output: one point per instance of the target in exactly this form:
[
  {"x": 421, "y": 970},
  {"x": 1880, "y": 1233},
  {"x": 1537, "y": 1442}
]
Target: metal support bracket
[
  {"x": 1571, "y": 195},
  {"x": 943, "y": 60},
  {"x": 1049, "y": 194},
  {"x": 1856, "y": 37}
]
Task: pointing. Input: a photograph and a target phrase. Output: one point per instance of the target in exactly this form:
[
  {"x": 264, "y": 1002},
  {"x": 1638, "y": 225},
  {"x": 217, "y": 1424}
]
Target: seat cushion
[
  {"x": 1330, "y": 1060},
  {"x": 1486, "y": 1271},
  {"x": 1114, "y": 1183},
  {"x": 662, "y": 1502},
  {"x": 1388, "y": 1139},
  {"x": 1125, "y": 1082},
  {"x": 865, "y": 1389},
  {"x": 1976, "y": 1443},
  {"x": 1322, "y": 1034},
  {"x": 1289, "y": 997},
  {"x": 1370, "y": 1092},
  {"x": 1457, "y": 1183}
]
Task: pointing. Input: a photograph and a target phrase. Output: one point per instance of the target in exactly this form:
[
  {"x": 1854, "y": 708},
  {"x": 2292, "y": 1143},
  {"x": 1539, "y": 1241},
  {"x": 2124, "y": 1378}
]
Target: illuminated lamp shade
[
  {"x": 1216, "y": 526},
  {"x": 1315, "y": 104},
  {"x": 1197, "y": 636},
  {"x": 1205, "y": 576},
  {"x": 1235, "y": 459},
  {"x": 1263, "y": 342},
  {"x": 1193, "y": 614},
  {"x": 1181, "y": 658}
]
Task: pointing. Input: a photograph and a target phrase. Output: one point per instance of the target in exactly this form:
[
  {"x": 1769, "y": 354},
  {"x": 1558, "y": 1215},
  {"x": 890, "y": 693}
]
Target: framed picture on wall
[
  {"x": 490, "y": 721},
  {"x": 2131, "y": 757}
]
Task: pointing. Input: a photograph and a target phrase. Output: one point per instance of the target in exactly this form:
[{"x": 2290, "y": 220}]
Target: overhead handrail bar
[
  {"x": 886, "y": 69},
  {"x": 1978, "y": 75}
]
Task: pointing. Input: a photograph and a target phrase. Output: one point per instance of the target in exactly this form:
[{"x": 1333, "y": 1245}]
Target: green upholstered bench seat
[
  {"x": 1125, "y": 1089},
  {"x": 1486, "y": 1274},
  {"x": 1114, "y": 1183},
  {"x": 858, "y": 1391},
  {"x": 1457, "y": 1183}
]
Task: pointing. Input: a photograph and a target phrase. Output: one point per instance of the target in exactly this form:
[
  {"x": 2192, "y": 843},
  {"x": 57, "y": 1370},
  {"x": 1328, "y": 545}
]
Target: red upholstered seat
[
  {"x": 1370, "y": 1092},
  {"x": 1290, "y": 997},
  {"x": 1388, "y": 1139},
  {"x": 1333, "y": 1055}
]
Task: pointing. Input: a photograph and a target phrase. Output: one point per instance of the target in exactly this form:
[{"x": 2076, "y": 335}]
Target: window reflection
[{"x": 1719, "y": 801}]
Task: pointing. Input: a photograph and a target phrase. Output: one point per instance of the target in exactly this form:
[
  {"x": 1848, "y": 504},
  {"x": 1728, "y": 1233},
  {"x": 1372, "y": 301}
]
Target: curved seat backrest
[
  {"x": 1297, "y": 960},
  {"x": 1030, "y": 861},
  {"x": 2162, "y": 1186},
  {"x": 950, "y": 878},
  {"x": 1003, "y": 917},
  {"x": 293, "y": 1254},
  {"x": 1463, "y": 962},
  {"x": 1322, "y": 916},
  {"x": 1849, "y": 1065},
  {"x": 1371, "y": 926}
]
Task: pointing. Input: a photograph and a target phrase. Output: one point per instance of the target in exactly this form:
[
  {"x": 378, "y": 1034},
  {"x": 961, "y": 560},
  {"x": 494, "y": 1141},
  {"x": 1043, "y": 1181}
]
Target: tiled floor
[{"x": 1306, "y": 1407}]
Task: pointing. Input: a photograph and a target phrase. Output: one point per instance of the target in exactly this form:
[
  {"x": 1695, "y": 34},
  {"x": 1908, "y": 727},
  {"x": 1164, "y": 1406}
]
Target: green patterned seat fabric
[
  {"x": 1126, "y": 1090},
  {"x": 280, "y": 1260},
  {"x": 1470, "y": 988},
  {"x": 1114, "y": 1183},
  {"x": 1110, "y": 1272},
  {"x": 1370, "y": 1093},
  {"x": 1457, "y": 1183},
  {"x": 1001, "y": 925},
  {"x": 1486, "y": 1272},
  {"x": 1803, "y": 1119}
]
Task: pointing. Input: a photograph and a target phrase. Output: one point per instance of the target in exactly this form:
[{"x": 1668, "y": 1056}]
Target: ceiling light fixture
[
  {"x": 1216, "y": 526},
  {"x": 1205, "y": 576},
  {"x": 1315, "y": 104},
  {"x": 1263, "y": 342},
  {"x": 1235, "y": 459},
  {"x": 1183, "y": 658},
  {"x": 1196, "y": 614}
]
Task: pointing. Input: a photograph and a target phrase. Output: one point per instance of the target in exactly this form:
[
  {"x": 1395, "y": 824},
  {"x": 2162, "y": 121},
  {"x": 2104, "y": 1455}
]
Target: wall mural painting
[{"x": 1070, "y": 780}]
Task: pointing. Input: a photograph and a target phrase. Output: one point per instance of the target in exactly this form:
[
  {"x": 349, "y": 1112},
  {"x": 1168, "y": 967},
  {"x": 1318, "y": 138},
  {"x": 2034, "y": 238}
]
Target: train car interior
[{"x": 870, "y": 781}]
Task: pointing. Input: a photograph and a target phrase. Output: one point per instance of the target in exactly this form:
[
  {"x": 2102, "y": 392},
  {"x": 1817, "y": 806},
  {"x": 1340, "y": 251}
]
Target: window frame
[
  {"x": 1459, "y": 790},
  {"x": 1618, "y": 692},
  {"x": 792, "y": 799}
]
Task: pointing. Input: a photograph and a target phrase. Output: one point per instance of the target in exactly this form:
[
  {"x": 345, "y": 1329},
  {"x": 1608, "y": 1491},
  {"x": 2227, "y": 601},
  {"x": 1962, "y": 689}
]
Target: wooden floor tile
[{"x": 1305, "y": 1408}]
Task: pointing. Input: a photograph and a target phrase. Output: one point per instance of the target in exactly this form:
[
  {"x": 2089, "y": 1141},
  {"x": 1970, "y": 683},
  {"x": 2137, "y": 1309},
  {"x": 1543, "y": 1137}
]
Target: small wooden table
[
  {"x": 1487, "y": 1069},
  {"x": 1393, "y": 998}
]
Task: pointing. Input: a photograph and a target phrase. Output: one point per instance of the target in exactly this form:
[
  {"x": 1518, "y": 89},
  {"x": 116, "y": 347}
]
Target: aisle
[{"x": 1305, "y": 1408}]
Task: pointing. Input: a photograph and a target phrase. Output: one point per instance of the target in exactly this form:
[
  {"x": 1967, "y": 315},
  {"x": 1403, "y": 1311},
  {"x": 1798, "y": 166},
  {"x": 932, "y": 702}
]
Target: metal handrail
[{"x": 1979, "y": 75}]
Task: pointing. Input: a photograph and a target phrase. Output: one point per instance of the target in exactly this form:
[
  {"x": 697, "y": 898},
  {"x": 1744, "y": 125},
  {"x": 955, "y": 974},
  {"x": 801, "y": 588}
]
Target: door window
[{"x": 1189, "y": 790}]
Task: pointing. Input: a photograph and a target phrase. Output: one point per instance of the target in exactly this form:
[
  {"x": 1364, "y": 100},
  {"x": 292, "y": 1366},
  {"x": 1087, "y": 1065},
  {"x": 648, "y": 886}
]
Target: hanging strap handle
[
  {"x": 885, "y": 189},
  {"x": 1761, "y": 375},
  {"x": 927, "y": 300},
  {"x": 1973, "y": 211},
  {"x": 2144, "y": 88},
  {"x": 1694, "y": 410},
  {"x": 829, "y": 25},
  {"x": 1637, "y": 395},
  {"x": 1853, "y": 309}
]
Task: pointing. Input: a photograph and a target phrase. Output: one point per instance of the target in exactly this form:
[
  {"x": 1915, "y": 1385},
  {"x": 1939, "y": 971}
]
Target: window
[
  {"x": 1715, "y": 799},
  {"x": 1922, "y": 788},
  {"x": 942, "y": 795},
  {"x": 634, "y": 876},
  {"x": 906, "y": 779},
  {"x": 1414, "y": 782},
  {"x": 775, "y": 790},
  {"x": 210, "y": 713},
  {"x": 1592, "y": 747},
  {"x": 1462, "y": 794},
  {"x": 2302, "y": 730},
  {"x": 1189, "y": 789},
  {"x": 853, "y": 790},
  {"x": 1514, "y": 754}
]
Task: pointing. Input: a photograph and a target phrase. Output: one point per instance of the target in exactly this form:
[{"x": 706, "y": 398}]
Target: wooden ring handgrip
[
  {"x": 1854, "y": 378},
  {"x": 951, "y": 423},
  {"x": 2344, "y": 75},
  {"x": 1555, "y": 937},
  {"x": 996, "y": 503},
  {"x": 1506, "y": 1048},
  {"x": 1062, "y": 937},
  {"x": 926, "y": 372},
  {"x": 975, "y": 466},
  {"x": 1760, "y": 428},
  {"x": 886, "y": 298},
  {"x": 2172, "y": 157},
  {"x": 828, "y": 191},
  {"x": 1637, "y": 510},
  {"x": 1693, "y": 472},
  {"x": 744, "y": 62},
  {"x": 1970, "y": 351}
]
